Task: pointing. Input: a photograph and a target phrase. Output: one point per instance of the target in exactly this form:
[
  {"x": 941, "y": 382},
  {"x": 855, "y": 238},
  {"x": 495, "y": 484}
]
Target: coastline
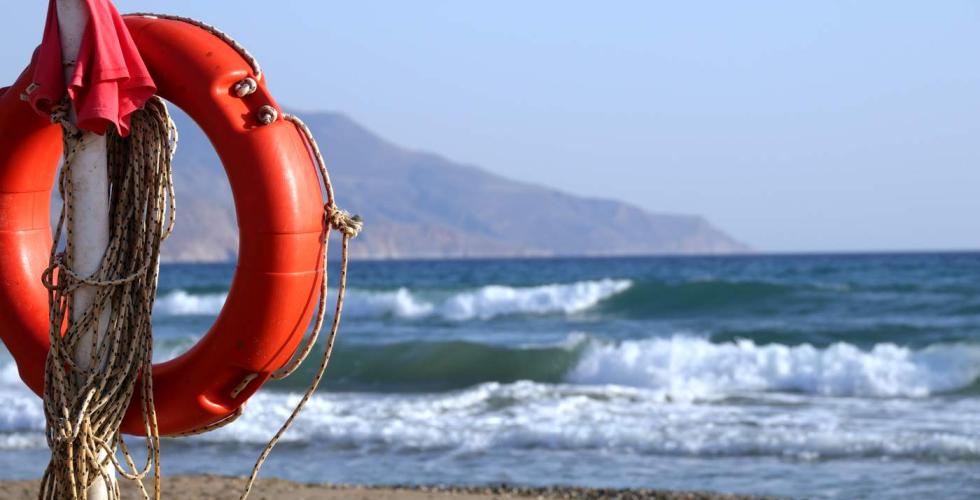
[{"x": 208, "y": 487}]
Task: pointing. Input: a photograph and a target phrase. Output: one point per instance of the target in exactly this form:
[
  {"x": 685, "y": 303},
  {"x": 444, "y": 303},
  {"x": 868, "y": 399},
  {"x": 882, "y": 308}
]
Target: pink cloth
[{"x": 110, "y": 80}]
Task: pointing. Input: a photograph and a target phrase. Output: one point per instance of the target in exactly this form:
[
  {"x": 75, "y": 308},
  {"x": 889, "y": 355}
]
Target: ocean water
[{"x": 832, "y": 376}]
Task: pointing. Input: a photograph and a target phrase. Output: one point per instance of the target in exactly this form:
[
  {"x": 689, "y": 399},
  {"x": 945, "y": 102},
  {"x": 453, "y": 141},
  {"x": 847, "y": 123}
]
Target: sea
[{"x": 799, "y": 376}]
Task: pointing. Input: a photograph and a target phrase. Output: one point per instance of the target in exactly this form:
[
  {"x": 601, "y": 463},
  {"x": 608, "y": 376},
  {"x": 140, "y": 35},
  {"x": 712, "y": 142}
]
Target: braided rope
[
  {"x": 334, "y": 219},
  {"x": 249, "y": 58},
  {"x": 84, "y": 406},
  {"x": 349, "y": 227},
  {"x": 215, "y": 425}
]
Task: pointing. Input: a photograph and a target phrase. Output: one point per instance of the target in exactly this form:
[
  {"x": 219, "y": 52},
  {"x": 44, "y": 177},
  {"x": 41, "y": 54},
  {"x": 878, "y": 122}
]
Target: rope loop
[
  {"x": 216, "y": 425},
  {"x": 245, "y": 87},
  {"x": 69, "y": 279},
  {"x": 267, "y": 115},
  {"x": 48, "y": 276}
]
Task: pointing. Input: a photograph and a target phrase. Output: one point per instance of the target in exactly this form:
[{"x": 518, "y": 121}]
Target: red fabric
[{"x": 110, "y": 80}]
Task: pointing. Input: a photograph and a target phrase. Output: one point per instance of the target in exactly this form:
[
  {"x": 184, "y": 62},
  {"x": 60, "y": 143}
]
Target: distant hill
[{"x": 420, "y": 205}]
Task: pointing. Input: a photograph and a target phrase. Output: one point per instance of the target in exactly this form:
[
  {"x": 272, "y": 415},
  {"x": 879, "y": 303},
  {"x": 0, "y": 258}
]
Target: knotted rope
[
  {"x": 349, "y": 226},
  {"x": 84, "y": 406}
]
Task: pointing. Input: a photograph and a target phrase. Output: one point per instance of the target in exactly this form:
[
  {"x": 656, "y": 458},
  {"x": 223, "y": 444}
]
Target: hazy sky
[{"x": 818, "y": 126}]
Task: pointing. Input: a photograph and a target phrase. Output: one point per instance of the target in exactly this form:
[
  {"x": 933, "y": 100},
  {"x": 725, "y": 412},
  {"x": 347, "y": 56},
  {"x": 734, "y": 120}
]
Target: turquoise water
[{"x": 845, "y": 376}]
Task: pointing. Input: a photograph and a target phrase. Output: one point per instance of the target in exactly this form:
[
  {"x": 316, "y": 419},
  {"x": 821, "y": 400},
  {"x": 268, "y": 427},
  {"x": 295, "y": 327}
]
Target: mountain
[{"x": 420, "y": 205}]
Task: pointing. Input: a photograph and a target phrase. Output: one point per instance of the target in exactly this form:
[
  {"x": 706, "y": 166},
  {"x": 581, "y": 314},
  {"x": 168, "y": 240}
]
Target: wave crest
[
  {"x": 181, "y": 303},
  {"x": 678, "y": 368},
  {"x": 483, "y": 303},
  {"x": 527, "y": 415},
  {"x": 693, "y": 368}
]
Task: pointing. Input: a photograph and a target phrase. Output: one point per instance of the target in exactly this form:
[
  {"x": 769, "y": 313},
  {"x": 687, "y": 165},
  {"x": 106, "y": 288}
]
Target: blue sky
[{"x": 794, "y": 126}]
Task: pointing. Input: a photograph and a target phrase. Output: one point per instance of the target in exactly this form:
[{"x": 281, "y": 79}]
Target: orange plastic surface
[{"x": 280, "y": 218}]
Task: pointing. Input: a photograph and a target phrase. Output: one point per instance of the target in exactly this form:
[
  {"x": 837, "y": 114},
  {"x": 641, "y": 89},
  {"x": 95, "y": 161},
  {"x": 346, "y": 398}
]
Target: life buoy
[{"x": 280, "y": 215}]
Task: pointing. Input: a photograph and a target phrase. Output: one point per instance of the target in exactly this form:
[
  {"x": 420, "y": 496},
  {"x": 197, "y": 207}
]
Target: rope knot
[
  {"x": 341, "y": 220},
  {"x": 267, "y": 115},
  {"x": 48, "y": 279},
  {"x": 246, "y": 86},
  {"x": 60, "y": 114},
  {"x": 61, "y": 441}
]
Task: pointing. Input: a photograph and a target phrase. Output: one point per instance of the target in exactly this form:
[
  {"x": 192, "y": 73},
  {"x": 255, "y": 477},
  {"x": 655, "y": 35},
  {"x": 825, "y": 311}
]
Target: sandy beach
[{"x": 220, "y": 487}]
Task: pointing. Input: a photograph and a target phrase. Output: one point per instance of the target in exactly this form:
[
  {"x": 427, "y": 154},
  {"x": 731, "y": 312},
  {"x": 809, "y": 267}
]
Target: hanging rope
[
  {"x": 84, "y": 407},
  {"x": 349, "y": 227},
  {"x": 83, "y": 427}
]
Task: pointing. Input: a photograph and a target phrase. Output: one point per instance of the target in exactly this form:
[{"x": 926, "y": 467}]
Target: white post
[{"x": 90, "y": 235}]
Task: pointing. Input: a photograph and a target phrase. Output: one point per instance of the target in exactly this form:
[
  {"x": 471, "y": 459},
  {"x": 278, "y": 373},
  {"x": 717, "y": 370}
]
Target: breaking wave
[
  {"x": 692, "y": 368},
  {"x": 482, "y": 303},
  {"x": 678, "y": 368},
  {"x": 656, "y": 396},
  {"x": 529, "y": 415},
  {"x": 182, "y": 303}
]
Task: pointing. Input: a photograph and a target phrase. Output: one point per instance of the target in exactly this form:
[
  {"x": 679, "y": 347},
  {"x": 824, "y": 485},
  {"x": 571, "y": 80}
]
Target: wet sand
[{"x": 218, "y": 487}]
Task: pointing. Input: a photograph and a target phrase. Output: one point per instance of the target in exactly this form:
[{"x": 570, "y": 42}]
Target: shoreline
[{"x": 210, "y": 487}]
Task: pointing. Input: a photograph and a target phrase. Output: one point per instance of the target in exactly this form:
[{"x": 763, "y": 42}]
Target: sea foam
[
  {"x": 481, "y": 303},
  {"x": 182, "y": 303},
  {"x": 528, "y": 415},
  {"x": 694, "y": 368},
  {"x": 652, "y": 397},
  {"x": 495, "y": 300}
]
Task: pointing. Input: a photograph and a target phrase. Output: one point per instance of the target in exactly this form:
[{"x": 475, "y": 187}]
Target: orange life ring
[{"x": 280, "y": 217}]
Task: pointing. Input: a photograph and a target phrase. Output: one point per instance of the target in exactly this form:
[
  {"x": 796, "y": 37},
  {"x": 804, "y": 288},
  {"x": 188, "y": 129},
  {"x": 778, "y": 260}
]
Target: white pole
[{"x": 90, "y": 235}]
